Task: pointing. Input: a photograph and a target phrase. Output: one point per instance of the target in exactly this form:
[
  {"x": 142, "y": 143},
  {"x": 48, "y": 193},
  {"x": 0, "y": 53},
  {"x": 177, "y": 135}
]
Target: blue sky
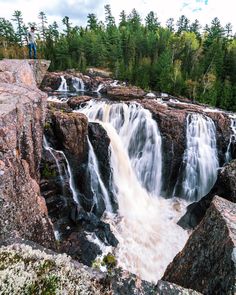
[{"x": 77, "y": 10}]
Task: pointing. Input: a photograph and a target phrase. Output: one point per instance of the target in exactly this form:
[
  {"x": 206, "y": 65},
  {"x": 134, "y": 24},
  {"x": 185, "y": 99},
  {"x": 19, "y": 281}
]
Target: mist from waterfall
[
  {"x": 145, "y": 225},
  {"x": 200, "y": 160}
]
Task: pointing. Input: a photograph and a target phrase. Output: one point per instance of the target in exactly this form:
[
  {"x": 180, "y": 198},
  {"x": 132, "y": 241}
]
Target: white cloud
[{"x": 77, "y": 10}]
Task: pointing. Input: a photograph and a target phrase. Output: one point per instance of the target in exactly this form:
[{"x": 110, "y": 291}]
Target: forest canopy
[{"x": 181, "y": 58}]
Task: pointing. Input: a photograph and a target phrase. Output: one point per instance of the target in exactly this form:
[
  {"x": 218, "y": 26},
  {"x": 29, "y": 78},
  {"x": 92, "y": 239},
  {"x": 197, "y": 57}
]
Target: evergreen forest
[{"x": 181, "y": 58}]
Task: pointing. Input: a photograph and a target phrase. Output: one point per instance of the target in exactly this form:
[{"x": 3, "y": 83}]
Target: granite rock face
[
  {"x": 207, "y": 262},
  {"x": 23, "y": 211}
]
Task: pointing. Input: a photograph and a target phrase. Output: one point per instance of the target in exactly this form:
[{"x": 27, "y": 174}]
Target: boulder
[
  {"x": 207, "y": 262},
  {"x": 125, "y": 92},
  {"x": 23, "y": 211},
  {"x": 74, "y": 102}
]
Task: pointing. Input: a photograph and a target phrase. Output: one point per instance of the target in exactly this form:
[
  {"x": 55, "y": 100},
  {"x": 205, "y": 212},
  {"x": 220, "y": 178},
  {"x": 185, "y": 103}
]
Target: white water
[
  {"x": 96, "y": 180},
  {"x": 228, "y": 156},
  {"x": 140, "y": 137},
  {"x": 63, "y": 86},
  {"x": 146, "y": 224},
  {"x": 200, "y": 158},
  {"x": 100, "y": 86},
  {"x": 71, "y": 181},
  {"x": 78, "y": 84}
]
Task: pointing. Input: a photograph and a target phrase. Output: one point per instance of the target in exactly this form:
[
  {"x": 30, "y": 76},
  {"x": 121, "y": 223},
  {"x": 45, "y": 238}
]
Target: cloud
[{"x": 76, "y": 10}]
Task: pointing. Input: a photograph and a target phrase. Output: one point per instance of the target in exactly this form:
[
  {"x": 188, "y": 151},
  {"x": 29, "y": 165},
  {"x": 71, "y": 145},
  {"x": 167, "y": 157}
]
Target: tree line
[{"x": 180, "y": 58}]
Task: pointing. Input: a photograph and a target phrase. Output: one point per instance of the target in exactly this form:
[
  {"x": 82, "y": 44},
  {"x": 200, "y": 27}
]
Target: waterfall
[
  {"x": 96, "y": 181},
  {"x": 146, "y": 224},
  {"x": 63, "y": 86},
  {"x": 140, "y": 136},
  {"x": 200, "y": 160},
  {"x": 53, "y": 152},
  {"x": 100, "y": 86},
  {"x": 228, "y": 155},
  {"x": 77, "y": 84}
]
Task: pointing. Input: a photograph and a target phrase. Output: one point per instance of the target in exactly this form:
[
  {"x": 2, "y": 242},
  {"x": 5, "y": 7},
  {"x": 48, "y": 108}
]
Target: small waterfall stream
[
  {"x": 77, "y": 84},
  {"x": 228, "y": 155},
  {"x": 146, "y": 223},
  {"x": 95, "y": 179},
  {"x": 54, "y": 152},
  {"x": 200, "y": 159},
  {"x": 63, "y": 86}
]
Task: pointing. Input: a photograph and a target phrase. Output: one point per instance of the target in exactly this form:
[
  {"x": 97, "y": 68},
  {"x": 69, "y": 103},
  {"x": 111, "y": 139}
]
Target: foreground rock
[
  {"x": 23, "y": 211},
  {"x": 224, "y": 187},
  {"x": 27, "y": 268},
  {"x": 207, "y": 262}
]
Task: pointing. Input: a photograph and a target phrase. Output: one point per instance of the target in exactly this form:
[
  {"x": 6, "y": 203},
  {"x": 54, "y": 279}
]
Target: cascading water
[
  {"x": 146, "y": 224},
  {"x": 100, "y": 86},
  {"x": 200, "y": 160},
  {"x": 140, "y": 135},
  {"x": 228, "y": 155},
  {"x": 53, "y": 152},
  {"x": 77, "y": 84},
  {"x": 95, "y": 179},
  {"x": 63, "y": 86}
]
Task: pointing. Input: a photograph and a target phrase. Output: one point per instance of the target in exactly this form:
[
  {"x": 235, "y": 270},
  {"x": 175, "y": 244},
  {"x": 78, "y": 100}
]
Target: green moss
[
  {"x": 7, "y": 259},
  {"x": 47, "y": 126},
  {"x": 46, "y": 286},
  {"x": 110, "y": 261},
  {"x": 48, "y": 172}
]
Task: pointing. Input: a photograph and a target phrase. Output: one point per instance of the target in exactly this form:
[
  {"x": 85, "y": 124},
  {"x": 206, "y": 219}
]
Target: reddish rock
[
  {"x": 22, "y": 210},
  {"x": 74, "y": 102},
  {"x": 71, "y": 130},
  {"x": 125, "y": 92},
  {"x": 207, "y": 262}
]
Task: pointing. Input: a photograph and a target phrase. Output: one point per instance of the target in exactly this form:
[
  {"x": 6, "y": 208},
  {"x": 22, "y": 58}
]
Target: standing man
[{"x": 31, "y": 42}]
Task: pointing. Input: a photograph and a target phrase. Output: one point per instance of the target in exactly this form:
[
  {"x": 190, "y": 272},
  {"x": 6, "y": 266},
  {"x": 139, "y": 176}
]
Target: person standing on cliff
[{"x": 31, "y": 42}]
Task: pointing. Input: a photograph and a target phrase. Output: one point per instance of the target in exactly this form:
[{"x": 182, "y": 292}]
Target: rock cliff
[{"x": 23, "y": 211}]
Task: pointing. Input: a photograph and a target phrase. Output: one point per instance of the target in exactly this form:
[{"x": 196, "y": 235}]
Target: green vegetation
[
  {"x": 182, "y": 59},
  {"x": 48, "y": 172}
]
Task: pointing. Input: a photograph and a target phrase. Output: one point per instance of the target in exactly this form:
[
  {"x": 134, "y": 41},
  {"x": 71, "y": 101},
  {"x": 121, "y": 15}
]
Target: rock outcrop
[
  {"x": 23, "y": 211},
  {"x": 224, "y": 187},
  {"x": 207, "y": 262},
  {"x": 28, "y": 268}
]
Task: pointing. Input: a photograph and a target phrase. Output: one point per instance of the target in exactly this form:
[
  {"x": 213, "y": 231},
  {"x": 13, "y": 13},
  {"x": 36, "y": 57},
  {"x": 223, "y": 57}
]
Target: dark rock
[
  {"x": 224, "y": 187},
  {"x": 167, "y": 288},
  {"x": 207, "y": 262}
]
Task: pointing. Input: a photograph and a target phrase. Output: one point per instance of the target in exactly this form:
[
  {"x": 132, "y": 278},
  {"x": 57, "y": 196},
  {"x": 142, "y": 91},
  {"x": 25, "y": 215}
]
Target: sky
[{"x": 77, "y": 10}]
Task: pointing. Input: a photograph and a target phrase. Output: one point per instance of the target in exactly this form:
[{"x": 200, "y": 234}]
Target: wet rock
[
  {"x": 207, "y": 262},
  {"x": 23, "y": 211},
  {"x": 224, "y": 187}
]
